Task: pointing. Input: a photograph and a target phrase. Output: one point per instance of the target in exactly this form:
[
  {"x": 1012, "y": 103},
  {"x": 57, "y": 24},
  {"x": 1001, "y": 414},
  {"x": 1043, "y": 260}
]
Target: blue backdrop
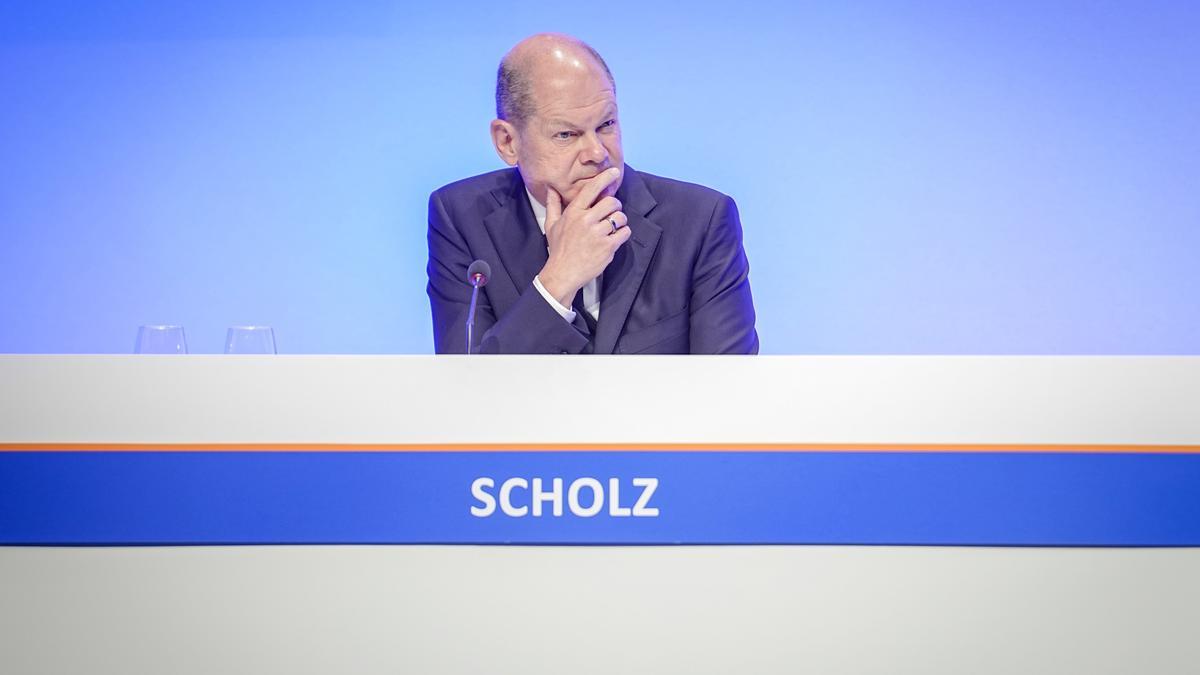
[{"x": 918, "y": 177}]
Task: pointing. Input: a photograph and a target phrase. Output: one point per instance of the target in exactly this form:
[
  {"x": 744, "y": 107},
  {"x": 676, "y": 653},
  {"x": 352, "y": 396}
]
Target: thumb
[{"x": 553, "y": 207}]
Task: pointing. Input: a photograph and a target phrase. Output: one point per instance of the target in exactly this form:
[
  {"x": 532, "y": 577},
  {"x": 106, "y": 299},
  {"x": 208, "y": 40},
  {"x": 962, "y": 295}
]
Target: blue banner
[{"x": 617, "y": 497}]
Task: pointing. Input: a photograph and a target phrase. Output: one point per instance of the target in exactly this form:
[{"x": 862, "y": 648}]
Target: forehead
[
  {"x": 586, "y": 115},
  {"x": 574, "y": 96}
]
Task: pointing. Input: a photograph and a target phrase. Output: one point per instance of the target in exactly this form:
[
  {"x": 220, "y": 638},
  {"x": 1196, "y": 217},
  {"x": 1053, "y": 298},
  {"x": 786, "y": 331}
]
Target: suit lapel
[
  {"x": 623, "y": 277},
  {"x": 515, "y": 234}
]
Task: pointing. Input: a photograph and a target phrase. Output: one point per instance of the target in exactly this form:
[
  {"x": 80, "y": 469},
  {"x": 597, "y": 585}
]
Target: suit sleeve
[
  {"x": 722, "y": 319},
  {"x": 530, "y": 326}
]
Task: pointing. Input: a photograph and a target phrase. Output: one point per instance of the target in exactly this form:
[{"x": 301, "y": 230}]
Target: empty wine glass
[
  {"x": 160, "y": 340},
  {"x": 250, "y": 340}
]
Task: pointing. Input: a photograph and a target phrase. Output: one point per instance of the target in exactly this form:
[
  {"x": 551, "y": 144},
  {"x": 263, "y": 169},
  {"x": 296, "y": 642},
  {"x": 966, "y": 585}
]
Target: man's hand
[{"x": 581, "y": 238}]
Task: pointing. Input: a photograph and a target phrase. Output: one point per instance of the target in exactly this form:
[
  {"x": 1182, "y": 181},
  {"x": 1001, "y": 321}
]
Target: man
[{"x": 587, "y": 255}]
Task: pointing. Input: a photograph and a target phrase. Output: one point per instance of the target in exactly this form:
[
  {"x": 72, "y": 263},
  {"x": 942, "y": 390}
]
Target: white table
[{"x": 695, "y": 609}]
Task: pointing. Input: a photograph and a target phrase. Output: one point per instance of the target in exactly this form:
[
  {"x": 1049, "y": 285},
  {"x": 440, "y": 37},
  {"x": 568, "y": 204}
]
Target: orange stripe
[{"x": 592, "y": 447}]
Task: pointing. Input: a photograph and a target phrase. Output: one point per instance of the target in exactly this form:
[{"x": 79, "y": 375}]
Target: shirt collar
[{"x": 539, "y": 211}]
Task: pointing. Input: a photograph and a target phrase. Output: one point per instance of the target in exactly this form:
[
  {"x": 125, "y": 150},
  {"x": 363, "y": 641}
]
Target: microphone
[{"x": 477, "y": 276}]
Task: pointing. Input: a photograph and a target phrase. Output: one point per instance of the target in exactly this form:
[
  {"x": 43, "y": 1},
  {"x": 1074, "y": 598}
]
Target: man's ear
[{"x": 504, "y": 137}]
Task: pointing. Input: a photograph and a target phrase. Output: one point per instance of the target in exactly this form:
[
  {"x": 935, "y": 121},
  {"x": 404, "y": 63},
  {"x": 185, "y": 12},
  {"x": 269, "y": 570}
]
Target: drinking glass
[
  {"x": 250, "y": 340},
  {"x": 160, "y": 340}
]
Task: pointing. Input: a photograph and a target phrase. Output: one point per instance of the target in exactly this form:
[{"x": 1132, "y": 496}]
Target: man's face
[{"x": 573, "y": 135}]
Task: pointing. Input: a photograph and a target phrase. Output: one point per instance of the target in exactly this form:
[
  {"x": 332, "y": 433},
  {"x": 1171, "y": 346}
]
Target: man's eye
[
  {"x": 563, "y": 135},
  {"x": 609, "y": 123}
]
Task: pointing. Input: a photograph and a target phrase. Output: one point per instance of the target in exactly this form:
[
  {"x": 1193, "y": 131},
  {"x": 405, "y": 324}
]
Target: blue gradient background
[{"x": 925, "y": 177}]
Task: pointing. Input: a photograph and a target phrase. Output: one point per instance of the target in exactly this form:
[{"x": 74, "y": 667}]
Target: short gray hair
[{"x": 514, "y": 88}]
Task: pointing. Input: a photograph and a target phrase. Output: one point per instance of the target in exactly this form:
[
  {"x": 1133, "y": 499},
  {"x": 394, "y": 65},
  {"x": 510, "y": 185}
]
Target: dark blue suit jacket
[{"x": 678, "y": 286}]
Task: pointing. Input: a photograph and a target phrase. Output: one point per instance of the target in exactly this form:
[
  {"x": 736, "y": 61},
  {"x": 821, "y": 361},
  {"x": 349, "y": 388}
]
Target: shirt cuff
[{"x": 566, "y": 313}]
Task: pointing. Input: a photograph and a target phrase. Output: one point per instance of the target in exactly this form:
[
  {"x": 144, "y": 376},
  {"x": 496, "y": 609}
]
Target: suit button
[{"x": 563, "y": 352}]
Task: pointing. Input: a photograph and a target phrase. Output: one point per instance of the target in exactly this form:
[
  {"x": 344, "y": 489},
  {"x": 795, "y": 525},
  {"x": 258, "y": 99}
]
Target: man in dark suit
[{"x": 587, "y": 255}]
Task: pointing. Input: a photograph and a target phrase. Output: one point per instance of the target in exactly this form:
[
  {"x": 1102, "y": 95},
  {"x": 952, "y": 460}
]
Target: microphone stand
[
  {"x": 477, "y": 276},
  {"x": 471, "y": 312}
]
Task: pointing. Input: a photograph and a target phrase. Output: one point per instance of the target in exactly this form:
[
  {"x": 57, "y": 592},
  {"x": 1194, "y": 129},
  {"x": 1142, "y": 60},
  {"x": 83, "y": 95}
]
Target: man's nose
[{"x": 594, "y": 152}]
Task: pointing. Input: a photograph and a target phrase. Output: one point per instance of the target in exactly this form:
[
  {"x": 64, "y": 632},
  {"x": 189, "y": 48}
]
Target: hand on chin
[{"x": 573, "y": 191}]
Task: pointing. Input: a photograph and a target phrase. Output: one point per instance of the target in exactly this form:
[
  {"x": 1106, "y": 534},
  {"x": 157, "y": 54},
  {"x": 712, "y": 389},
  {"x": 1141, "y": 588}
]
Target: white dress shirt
[{"x": 591, "y": 290}]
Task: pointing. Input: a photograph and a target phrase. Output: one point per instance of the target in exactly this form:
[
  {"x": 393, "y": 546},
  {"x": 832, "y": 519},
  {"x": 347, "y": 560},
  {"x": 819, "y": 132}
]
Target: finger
[
  {"x": 618, "y": 238},
  {"x": 605, "y": 207},
  {"x": 610, "y": 191},
  {"x": 553, "y": 207},
  {"x": 612, "y": 223},
  {"x": 591, "y": 190}
]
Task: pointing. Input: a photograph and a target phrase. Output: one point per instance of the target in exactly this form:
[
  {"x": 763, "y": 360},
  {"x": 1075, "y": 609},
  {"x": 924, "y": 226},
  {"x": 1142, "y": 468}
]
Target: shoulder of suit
[
  {"x": 668, "y": 189},
  {"x": 476, "y": 186}
]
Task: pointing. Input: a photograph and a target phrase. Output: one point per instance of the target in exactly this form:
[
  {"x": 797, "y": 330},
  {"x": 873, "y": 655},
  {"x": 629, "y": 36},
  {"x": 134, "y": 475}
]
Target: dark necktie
[{"x": 588, "y": 321}]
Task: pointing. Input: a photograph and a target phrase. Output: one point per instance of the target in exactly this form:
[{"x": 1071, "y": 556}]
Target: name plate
[
  {"x": 807, "y": 496},
  {"x": 171, "y": 450}
]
